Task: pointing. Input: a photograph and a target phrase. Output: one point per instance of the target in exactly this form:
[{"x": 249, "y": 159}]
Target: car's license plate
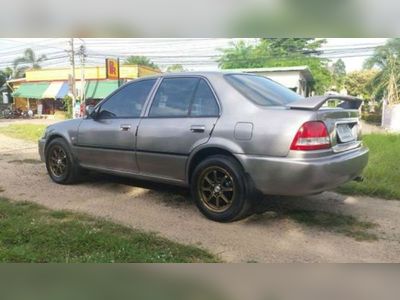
[{"x": 345, "y": 133}]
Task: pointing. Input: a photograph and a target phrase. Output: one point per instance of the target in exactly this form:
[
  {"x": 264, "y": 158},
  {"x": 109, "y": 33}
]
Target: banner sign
[{"x": 112, "y": 68}]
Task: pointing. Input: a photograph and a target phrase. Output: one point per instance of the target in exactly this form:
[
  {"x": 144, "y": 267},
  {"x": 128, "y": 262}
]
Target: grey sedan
[{"x": 229, "y": 136}]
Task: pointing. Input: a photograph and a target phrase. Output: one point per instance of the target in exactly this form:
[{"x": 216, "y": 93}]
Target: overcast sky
[
  {"x": 194, "y": 54},
  {"x": 354, "y": 63}
]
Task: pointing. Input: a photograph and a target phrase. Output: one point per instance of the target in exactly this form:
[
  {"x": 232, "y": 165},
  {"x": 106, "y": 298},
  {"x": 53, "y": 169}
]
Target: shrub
[
  {"x": 67, "y": 102},
  {"x": 373, "y": 118}
]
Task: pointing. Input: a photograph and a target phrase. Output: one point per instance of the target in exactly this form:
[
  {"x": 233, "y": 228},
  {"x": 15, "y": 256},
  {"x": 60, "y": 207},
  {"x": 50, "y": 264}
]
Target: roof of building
[{"x": 16, "y": 80}]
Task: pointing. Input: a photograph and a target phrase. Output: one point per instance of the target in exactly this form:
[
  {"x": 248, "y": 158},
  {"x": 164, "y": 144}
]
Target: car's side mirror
[{"x": 90, "y": 112}]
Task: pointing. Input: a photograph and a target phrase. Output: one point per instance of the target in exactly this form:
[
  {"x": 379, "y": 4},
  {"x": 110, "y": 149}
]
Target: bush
[
  {"x": 373, "y": 118},
  {"x": 67, "y": 102}
]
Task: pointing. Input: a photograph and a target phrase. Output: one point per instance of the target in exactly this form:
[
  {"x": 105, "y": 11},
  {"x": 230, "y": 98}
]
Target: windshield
[{"x": 262, "y": 90}]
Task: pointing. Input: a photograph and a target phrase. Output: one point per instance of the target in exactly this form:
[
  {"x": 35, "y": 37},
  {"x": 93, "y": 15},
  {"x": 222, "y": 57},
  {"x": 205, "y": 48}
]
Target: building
[
  {"x": 43, "y": 90},
  {"x": 298, "y": 79}
]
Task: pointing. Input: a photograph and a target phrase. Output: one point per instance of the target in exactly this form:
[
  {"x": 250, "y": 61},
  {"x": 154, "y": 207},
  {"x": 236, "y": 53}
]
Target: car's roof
[{"x": 194, "y": 73}]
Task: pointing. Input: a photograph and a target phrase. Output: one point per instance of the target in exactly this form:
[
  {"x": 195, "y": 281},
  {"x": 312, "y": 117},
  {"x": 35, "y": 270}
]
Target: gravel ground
[{"x": 170, "y": 212}]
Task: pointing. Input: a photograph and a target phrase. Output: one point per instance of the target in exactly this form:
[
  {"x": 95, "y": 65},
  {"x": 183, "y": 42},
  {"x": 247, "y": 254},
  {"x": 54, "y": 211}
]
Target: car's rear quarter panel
[{"x": 273, "y": 128}]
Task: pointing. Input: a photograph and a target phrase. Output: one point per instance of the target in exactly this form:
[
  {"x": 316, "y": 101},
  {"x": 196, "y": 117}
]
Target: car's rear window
[{"x": 262, "y": 90}]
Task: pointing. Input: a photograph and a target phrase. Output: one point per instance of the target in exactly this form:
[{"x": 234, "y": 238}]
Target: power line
[{"x": 163, "y": 52}]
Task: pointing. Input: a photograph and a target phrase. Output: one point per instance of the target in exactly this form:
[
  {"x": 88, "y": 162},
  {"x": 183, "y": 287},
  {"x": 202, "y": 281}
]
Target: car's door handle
[
  {"x": 197, "y": 128},
  {"x": 125, "y": 127}
]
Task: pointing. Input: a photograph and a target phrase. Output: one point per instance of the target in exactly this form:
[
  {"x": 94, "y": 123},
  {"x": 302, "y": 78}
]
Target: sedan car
[{"x": 227, "y": 136}]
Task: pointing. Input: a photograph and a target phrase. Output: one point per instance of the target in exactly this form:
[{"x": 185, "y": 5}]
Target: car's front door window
[{"x": 127, "y": 102}]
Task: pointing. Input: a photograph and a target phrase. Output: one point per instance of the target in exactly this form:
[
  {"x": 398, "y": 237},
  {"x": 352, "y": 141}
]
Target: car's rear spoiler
[{"x": 315, "y": 103}]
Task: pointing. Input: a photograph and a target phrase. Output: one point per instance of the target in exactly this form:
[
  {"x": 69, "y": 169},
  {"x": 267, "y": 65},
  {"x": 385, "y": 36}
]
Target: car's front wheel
[
  {"x": 220, "y": 190},
  {"x": 60, "y": 163}
]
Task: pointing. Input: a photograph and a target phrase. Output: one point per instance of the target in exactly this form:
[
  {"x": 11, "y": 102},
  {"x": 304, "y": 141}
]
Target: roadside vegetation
[
  {"x": 32, "y": 233},
  {"x": 30, "y": 132},
  {"x": 382, "y": 175}
]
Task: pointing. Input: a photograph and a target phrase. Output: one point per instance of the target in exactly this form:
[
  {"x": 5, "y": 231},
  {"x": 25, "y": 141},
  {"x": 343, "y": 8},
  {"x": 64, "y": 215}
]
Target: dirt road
[{"x": 268, "y": 237}]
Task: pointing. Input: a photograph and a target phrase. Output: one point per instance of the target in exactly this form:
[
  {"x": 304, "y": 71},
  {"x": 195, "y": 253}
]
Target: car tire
[
  {"x": 60, "y": 164},
  {"x": 214, "y": 181}
]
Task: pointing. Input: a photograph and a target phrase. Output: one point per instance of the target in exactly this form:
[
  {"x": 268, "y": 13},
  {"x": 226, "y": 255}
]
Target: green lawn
[
  {"x": 382, "y": 175},
  {"x": 31, "y": 233},
  {"x": 31, "y": 132}
]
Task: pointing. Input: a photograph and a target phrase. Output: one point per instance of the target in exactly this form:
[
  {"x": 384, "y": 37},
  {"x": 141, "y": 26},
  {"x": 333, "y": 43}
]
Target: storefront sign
[{"x": 112, "y": 68}]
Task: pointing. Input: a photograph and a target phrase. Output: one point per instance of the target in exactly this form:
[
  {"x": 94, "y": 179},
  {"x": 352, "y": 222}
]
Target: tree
[
  {"x": 280, "y": 52},
  {"x": 67, "y": 102},
  {"x": 357, "y": 83},
  {"x": 386, "y": 59},
  {"x": 5, "y": 75},
  {"x": 175, "y": 68},
  {"x": 240, "y": 55},
  {"x": 28, "y": 61},
  {"x": 339, "y": 74},
  {"x": 140, "y": 60},
  {"x": 292, "y": 46}
]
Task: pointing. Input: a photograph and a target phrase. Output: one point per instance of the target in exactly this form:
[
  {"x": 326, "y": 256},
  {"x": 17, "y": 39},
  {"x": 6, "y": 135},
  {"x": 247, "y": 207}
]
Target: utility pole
[
  {"x": 119, "y": 75},
  {"x": 73, "y": 90},
  {"x": 82, "y": 55}
]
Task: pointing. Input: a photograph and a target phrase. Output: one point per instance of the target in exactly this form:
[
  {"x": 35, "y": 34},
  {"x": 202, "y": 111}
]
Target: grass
[
  {"x": 31, "y": 233},
  {"x": 382, "y": 175},
  {"x": 30, "y": 132},
  {"x": 347, "y": 225}
]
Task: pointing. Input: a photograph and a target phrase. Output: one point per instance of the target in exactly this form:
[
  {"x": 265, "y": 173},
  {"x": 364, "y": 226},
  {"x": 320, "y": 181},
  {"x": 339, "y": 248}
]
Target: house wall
[
  {"x": 127, "y": 71},
  {"x": 288, "y": 79}
]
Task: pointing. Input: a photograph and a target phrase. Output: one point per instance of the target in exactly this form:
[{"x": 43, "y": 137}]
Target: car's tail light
[{"x": 312, "y": 135}]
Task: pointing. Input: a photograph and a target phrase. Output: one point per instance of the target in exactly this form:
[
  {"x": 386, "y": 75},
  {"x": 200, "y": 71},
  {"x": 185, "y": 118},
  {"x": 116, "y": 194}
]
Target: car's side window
[
  {"x": 127, "y": 102},
  {"x": 204, "y": 103},
  {"x": 173, "y": 97}
]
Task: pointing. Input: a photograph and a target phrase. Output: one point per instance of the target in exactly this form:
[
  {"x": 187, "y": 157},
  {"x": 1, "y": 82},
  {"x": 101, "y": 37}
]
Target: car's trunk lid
[{"x": 342, "y": 121}]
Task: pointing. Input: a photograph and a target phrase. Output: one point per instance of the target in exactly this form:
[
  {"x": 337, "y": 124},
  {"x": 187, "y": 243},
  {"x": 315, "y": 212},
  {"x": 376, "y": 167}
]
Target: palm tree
[
  {"x": 387, "y": 59},
  {"x": 27, "y": 61}
]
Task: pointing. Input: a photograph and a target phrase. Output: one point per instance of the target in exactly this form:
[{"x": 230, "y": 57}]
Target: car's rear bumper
[
  {"x": 304, "y": 176},
  {"x": 42, "y": 144}
]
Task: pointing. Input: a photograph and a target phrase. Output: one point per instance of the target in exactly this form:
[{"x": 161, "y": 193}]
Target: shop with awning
[
  {"x": 41, "y": 97},
  {"x": 46, "y": 88},
  {"x": 52, "y": 97},
  {"x": 46, "y": 97}
]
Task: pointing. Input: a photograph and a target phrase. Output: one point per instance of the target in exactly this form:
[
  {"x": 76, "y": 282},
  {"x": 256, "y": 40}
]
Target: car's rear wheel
[
  {"x": 60, "y": 163},
  {"x": 219, "y": 189}
]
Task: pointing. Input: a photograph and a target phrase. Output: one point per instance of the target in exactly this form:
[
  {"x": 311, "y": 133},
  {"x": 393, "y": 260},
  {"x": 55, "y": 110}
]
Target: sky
[
  {"x": 354, "y": 63},
  {"x": 193, "y": 54}
]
